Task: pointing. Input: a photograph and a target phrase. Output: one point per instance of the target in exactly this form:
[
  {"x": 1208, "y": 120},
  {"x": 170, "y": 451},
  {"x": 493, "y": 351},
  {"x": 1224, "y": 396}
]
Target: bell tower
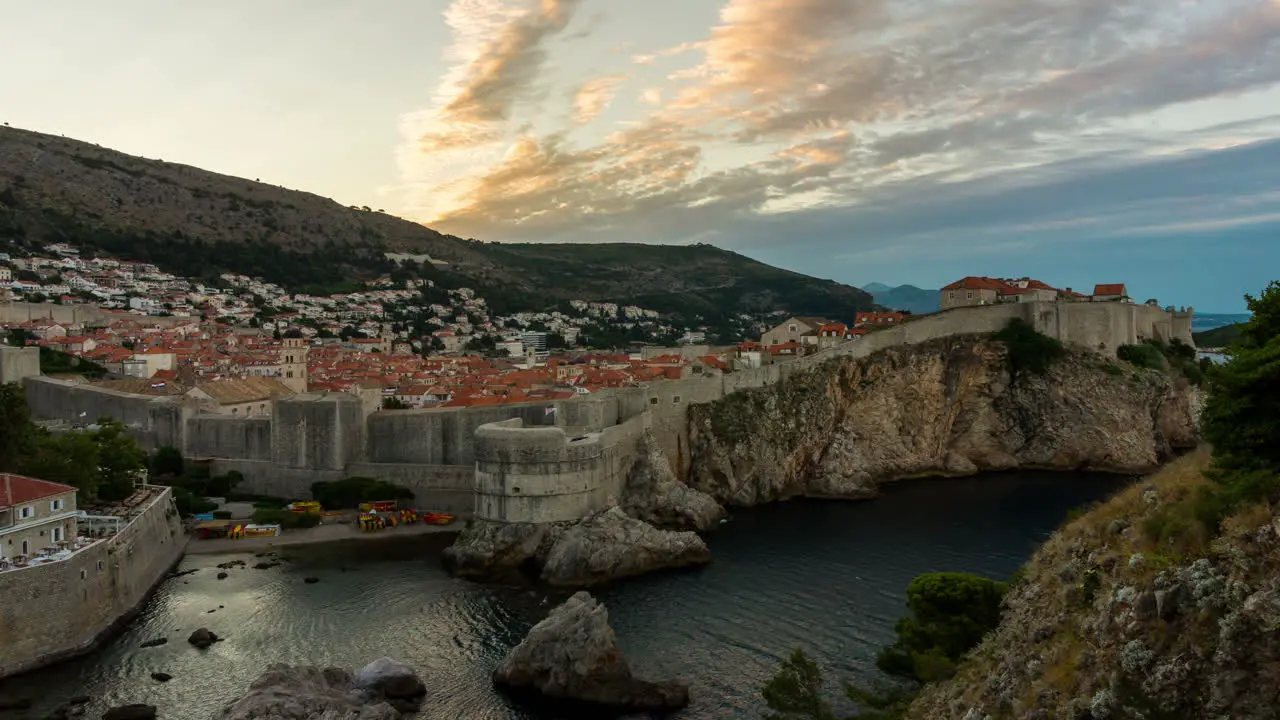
[{"x": 293, "y": 362}]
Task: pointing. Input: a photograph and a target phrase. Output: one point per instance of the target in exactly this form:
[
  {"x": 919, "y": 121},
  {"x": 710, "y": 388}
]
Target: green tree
[
  {"x": 120, "y": 460},
  {"x": 18, "y": 435},
  {"x": 795, "y": 693},
  {"x": 71, "y": 459},
  {"x": 167, "y": 461},
  {"x": 950, "y": 613}
]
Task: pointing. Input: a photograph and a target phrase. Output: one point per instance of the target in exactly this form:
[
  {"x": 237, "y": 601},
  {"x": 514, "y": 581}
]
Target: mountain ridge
[
  {"x": 910, "y": 298},
  {"x": 199, "y": 223}
]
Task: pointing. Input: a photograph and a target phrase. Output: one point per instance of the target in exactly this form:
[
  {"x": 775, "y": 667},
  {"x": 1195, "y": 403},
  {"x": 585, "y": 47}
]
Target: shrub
[
  {"x": 1112, "y": 369},
  {"x": 167, "y": 461},
  {"x": 1028, "y": 350},
  {"x": 350, "y": 492},
  {"x": 1143, "y": 356},
  {"x": 190, "y": 504}
]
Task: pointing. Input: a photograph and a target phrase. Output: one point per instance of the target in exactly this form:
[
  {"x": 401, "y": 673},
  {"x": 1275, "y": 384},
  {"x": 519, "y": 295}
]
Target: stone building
[
  {"x": 34, "y": 515},
  {"x": 293, "y": 362},
  {"x": 803, "y": 330}
]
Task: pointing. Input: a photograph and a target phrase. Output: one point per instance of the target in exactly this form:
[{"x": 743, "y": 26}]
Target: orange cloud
[
  {"x": 502, "y": 69},
  {"x": 593, "y": 96}
]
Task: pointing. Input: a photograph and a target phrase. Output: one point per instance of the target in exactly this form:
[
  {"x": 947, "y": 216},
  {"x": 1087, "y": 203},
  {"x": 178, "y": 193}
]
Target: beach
[{"x": 324, "y": 533}]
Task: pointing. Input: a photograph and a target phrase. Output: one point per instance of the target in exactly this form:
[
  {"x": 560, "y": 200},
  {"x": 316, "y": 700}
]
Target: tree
[
  {"x": 71, "y": 459},
  {"x": 391, "y": 402},
  {"x": 18, "y": 436},
  {"x": 795, "y": 693},
  {"x": 120, "y": 460},
  {"x": 167, "y": 461}
]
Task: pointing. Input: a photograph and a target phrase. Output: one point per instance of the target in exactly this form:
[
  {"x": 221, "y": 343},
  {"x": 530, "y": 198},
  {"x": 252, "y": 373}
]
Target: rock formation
[
  {"x": 654, "y": 494},
  {"x": 202, "y": 637},
  {"x": 602, "y": 547},
  {"x": 573, "y": 656},
  {"x": 610, "y": 545},
  {"x": 945, "y": 407},
  {"x": 1105, "y": 626},
  {"x": 381, "y": 691}
]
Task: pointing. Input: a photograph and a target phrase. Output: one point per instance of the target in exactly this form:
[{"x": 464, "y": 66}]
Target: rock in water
[
  {"x": 161, "y": 676},
  {"x": 654, "y": 494},
  {"x": 496, "y": 551},
  {"x": 131, "y": 712},
  {"x": 284, "y": 692},
  {"x": 573, "y": 656},
  {"x": 394, "y": 681},
  {"x": 611, "y": 545},
  {"x": 202, "y": 638}
]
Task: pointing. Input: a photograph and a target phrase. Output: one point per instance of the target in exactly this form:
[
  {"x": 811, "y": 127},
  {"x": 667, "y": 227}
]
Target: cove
[{"x": 828, "y": 576}]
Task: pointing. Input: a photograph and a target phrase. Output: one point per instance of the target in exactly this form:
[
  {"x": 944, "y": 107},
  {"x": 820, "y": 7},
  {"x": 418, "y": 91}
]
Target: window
[
  {"x": 289, "y": 374},
  {"x": 675, "y": 399},
  {"x": 55, "y": 506},
  {"x": 969, "y": 295},
  {"x": 57, "y": 534},
  {"x": 99, "y": 566},
  {"x": 26, "y": 512},
  {"x": 791, "y": 328},
  {"x": 653, "y": 401}
]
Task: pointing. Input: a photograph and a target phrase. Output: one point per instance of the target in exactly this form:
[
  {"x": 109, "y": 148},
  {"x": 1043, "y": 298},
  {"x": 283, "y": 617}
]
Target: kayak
[{"x": 434, "y": 518}]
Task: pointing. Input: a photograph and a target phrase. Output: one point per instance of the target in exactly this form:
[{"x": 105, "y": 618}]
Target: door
[
  {"x": 24, "y": 547},
  {"x": 57, "y": 534}
]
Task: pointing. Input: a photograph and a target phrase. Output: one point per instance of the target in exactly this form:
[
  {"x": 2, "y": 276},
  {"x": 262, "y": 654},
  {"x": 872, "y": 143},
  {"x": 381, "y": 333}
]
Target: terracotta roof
[
  {"x": 1110, "y": 290},
  {"x": 241, "y": 390},
  {"x": 976, "y": 283},
  {"x": 17, "y": 489}
]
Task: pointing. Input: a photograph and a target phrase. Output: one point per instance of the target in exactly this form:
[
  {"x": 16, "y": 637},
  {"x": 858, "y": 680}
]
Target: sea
[
  {"x": 1208, "y": 321},
  {"x": 825, "y": 576}
]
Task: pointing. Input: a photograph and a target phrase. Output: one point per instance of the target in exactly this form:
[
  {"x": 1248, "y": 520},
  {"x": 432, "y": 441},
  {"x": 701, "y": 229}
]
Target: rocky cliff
[
  {"x": 1113, "y": 620},
  {"x": 946, "y": 407}
]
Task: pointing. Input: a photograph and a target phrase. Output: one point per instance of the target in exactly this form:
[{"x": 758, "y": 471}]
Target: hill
[
  {"x": 1218, "y": 337},
  {"x": 905, "y": 297},
  {"x": 200, "y": 224}
]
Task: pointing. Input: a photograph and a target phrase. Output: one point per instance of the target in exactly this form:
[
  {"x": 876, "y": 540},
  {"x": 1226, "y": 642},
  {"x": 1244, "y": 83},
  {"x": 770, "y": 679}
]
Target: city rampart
[
  {"x": 17, "y": 363},
  {"x": 545, "y": 474},
  {"x": 58, "y": 610},
  {"x": 327, "y": 436}
]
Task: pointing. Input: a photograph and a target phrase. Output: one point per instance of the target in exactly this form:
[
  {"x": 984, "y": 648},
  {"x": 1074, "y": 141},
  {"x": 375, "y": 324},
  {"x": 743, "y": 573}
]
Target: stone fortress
[{"x": 528, "y": 462}]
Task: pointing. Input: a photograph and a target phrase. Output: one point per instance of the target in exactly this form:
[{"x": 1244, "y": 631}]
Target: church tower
[{"x": 293, "y": 362}]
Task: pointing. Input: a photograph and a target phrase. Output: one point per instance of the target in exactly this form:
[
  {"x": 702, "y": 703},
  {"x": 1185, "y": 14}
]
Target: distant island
[{"x": 1218, "y": 337}]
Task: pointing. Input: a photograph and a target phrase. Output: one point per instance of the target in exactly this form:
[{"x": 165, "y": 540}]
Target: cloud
[
  {"x": 593, "y": 96},
  {"x": 802, "y": 106},
  {"x": 501, "y": 52}
]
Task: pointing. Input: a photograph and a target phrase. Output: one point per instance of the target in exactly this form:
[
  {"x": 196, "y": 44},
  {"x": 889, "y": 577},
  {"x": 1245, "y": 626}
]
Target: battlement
[{"x": 543, "y": 474}]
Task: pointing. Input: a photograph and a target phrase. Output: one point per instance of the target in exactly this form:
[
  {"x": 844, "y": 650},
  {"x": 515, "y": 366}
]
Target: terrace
[{"x": 92, "y": 528}]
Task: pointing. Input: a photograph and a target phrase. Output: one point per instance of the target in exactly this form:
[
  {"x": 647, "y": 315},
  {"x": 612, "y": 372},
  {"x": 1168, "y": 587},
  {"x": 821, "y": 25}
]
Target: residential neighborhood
[{"x": 236, "y": 346}]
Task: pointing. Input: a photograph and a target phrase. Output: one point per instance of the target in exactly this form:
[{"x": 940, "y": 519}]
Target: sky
[{"x": 898, "y": 141}]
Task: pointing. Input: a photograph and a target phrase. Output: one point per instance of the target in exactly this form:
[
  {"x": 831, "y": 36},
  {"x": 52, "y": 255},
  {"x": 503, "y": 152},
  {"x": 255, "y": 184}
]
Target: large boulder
[
  {"x": 610, "y": 545},
  {"x": 573, "y": 656},
  {"x": 492, "y": 551},
  {"x": 655, "y": 495},
  {"x": 284, "y": 692},
  {"x": 393, "y": 681}
]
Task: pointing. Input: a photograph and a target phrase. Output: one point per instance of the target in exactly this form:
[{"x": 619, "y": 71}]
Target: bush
[
  {"x": 350, "y": 492},
  {"x": 1112, "y": 369},
  {"x": 190, "y": 504},
  {"x": 1029, "y": 351},
  {"x": 1143, "y": 356},
  {"x": 167, "y": 461}
]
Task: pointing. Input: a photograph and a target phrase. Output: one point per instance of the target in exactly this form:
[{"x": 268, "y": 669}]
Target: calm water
[{"x": 826, "y": 576}]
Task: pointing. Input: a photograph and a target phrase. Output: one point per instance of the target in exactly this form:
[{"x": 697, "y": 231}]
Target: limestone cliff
[
  {"x": 1110, "y": 621},
  {"x": 945, "y": 407}
]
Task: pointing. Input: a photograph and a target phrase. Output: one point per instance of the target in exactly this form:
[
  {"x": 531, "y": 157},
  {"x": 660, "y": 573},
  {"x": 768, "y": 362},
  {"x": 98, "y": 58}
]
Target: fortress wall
[
  {"x": 20, "y": 312},
  {"x": 212, "y": 436},
  {"x": 442, "y": 488},
  {"x": 539, "y": 474},
  {"x": 18, "y": 364},
  {"x": 263, "y": 477},
  {"x": 593, "y": 412},
  {"x": 56, "y": 611},
  {"x": 317, "y": 431},
  {"x": 153, "y": 421},
  {"x": 407, "y": 436}
]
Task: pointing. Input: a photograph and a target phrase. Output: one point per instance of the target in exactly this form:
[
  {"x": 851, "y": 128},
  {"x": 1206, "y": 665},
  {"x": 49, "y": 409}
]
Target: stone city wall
[
  {"x": 325, "y": 436},
  {"x": 59, "y": 610},
  {"x": 543, "y": 474},
  {"x": 18, "y": 363}
]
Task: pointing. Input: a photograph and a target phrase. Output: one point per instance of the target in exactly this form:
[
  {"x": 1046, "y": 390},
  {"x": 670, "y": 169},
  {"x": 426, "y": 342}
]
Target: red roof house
[{"x": 19, "y": 490}]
